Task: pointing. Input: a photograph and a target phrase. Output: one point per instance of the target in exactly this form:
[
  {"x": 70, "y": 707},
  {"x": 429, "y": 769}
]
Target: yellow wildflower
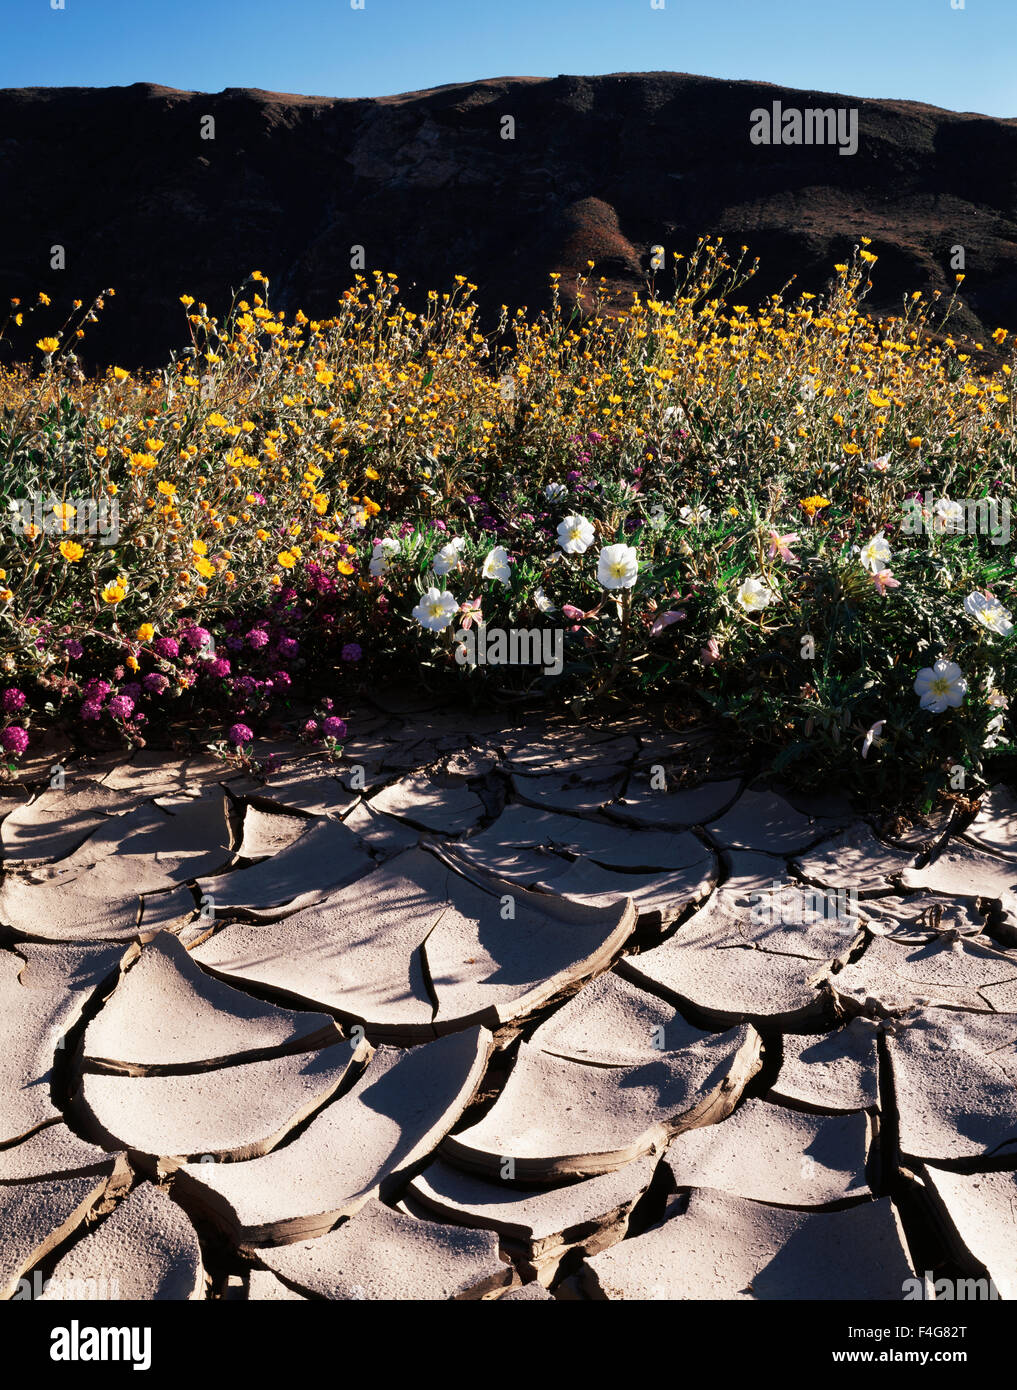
[{"x": 115, "y": 591}]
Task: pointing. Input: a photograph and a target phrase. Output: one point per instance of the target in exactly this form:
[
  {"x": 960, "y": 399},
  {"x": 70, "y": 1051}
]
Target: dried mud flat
[{"x": 498, "y": 1011}]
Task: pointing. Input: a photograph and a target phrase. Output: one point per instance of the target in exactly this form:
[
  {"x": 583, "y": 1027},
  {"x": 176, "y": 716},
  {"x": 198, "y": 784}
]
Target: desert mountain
[{"x": 429, "y": 185}]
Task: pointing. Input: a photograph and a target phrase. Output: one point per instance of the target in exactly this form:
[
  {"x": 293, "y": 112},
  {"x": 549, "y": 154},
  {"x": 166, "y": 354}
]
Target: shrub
[{"x": 778, "y": 519}]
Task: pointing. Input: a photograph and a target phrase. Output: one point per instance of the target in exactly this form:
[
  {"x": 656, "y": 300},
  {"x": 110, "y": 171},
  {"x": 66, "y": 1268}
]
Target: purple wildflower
[{"x": 14, "y": 739}]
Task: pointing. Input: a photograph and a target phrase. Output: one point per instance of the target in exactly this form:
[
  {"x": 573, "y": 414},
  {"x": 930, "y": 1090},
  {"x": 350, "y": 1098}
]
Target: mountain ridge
[{"x": 600, "y": 168}]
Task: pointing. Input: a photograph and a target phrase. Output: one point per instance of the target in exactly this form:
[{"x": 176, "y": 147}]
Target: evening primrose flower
[
  {"x": 575, "y": 535},
  {"x": 384, "y": 551},
  {"x": 695, "y": 516},
  {"x": 436, "y": 609},
  {"x": 448, "y": 556},
  {"x": 665, "y": 620},
  {"x": 995, "y": 699},
  {"x": 554, "y": 491},
  {"x": 941, "y": 686},
  {"x": 753, "y": 595},
  {"x": 949, "y": 517},
  {"x": 542, "y": 601},
  {"x": 470, "y": 608},
  {"x": 875, "y": 554},
  {"x": 989, "y": 613},
  {"x": 618, "y": 567},
  {"x": 779, "y": 545},
  {"x": 994, "y": 732},
  {"x": 872, "y": 736},
  {"x": 884, "y": 580},
  {"x": 496, "y": 565}
]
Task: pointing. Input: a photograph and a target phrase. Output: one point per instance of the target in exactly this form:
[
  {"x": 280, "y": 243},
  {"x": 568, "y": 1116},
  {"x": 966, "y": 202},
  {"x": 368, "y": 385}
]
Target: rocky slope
[{"x": 600, "y": 168}]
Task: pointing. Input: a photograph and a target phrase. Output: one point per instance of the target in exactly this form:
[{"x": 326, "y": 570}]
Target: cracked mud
[{"x": 493, "y": 1011}]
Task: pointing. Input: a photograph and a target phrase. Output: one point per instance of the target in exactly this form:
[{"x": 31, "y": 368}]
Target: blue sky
[{"x": 921, "y": 50}]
